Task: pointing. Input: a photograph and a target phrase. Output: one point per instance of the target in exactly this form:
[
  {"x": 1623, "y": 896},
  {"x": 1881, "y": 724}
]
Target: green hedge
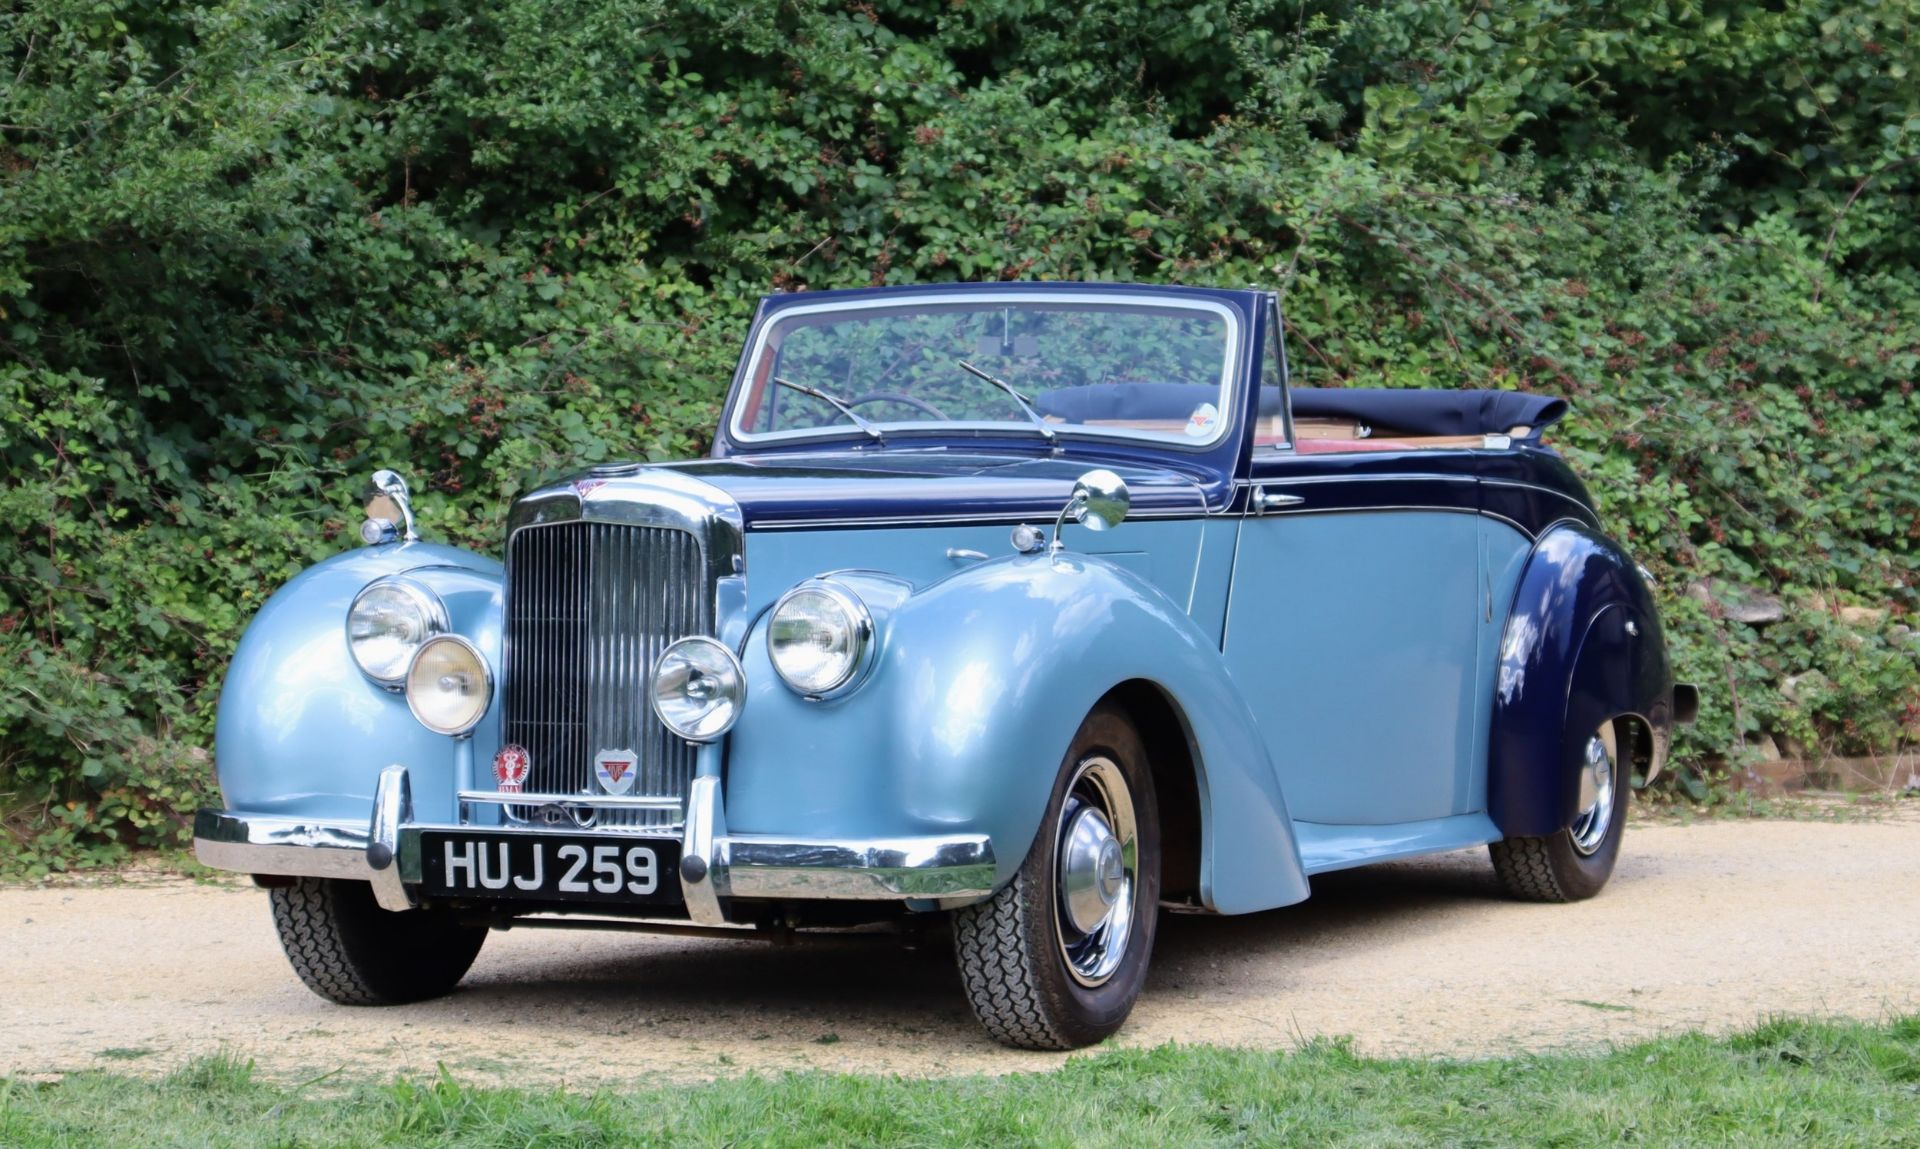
[{"x": 249, "y": 251}]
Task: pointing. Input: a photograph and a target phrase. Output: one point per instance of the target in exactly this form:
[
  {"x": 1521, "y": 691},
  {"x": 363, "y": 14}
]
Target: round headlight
[
  {"x": 386, "y": 624},
  {"x": 698, "y": 687},
  {"x": 448, "y": 685},
  {"x": 820, "y": 639}
]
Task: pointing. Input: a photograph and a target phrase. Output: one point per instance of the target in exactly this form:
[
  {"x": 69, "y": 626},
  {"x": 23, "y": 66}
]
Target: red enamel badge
[{"x": 510, "y": 767}]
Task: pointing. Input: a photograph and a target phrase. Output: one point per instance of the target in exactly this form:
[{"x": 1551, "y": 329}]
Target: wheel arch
[
  {"x": 1582, "y": 648},
  {"x": 300, "y": 731},
  {"x": 1174, "y": 766},
  {"x": 980, "y": 683}
]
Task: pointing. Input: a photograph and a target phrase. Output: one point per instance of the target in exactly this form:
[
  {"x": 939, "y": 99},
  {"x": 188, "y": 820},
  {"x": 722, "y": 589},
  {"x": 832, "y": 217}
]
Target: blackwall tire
[
  {"x": 1036, "y": 976},
  {"x": 1574, "y": 863},
  {"x": 351, "y": 952}
]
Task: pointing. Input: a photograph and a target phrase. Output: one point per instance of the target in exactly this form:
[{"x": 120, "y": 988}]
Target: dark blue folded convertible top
[
  {"x": 1408, "y": 412},
  {"x": 1431, "y": 412}
]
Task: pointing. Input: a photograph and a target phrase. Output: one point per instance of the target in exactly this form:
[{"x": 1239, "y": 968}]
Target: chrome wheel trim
[
  {"x": 1597, "y": 795},
  {"x": 1096, "y": 866}
]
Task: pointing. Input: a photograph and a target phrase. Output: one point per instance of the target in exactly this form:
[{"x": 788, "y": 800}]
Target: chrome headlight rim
[
  {"x": 861, "y": 629},
  {"x": 701, "y": 641},
  {"x": 486, "y": 682},
  {"x": 432, "y": 608}
]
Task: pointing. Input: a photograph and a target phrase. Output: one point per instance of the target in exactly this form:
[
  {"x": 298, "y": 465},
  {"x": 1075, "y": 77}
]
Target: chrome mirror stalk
[{"x": 1100, "y": 502}]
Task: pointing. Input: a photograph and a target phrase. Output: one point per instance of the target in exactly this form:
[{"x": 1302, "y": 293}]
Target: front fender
[
  {"x": 1582, "y": 646},
  {"x": 979, "y": 684},
  {"x": 301, "y": 732}
]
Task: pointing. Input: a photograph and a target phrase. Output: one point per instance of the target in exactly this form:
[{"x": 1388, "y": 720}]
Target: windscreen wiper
[
  {"x": 1053, "y": 439},
  {"x": 837, "y": 404}
]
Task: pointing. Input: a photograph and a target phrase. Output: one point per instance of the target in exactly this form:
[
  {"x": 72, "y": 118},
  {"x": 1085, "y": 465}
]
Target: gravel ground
[{"x": 1703, "y": 927}]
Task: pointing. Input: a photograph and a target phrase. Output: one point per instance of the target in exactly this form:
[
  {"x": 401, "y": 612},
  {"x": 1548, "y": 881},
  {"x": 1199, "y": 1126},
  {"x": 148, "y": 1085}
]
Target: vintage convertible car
[{"x": 890, "y": 656}]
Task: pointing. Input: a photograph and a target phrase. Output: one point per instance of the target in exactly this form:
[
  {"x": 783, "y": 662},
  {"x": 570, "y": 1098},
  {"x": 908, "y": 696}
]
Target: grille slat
[{"x": 589, "y": 608}]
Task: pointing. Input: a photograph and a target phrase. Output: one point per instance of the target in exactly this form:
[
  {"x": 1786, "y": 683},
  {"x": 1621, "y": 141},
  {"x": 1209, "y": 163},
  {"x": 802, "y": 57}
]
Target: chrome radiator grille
[{"x": 589, "y": 608}]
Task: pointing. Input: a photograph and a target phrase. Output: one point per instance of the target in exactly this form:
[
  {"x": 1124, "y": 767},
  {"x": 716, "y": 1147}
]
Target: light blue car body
[{"x": 1329, "y": 678}]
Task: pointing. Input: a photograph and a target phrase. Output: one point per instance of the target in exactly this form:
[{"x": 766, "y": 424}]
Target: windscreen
[{"x": 1042, "y": 365}]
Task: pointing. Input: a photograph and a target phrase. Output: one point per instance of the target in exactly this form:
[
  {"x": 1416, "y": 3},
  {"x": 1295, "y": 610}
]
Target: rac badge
[
  {"x": 510, "y": 766},
  {"x": 615, "y": 769}
]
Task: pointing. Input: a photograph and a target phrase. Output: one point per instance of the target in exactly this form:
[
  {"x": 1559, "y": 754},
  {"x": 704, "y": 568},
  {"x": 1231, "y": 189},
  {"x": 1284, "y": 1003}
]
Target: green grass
[{"x": 1787, "y": 1082}]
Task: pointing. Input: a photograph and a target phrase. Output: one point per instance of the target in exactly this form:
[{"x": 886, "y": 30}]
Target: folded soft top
[
  {"x": 1432, "y": 412},
  {"x": 1407, "y": 412}
]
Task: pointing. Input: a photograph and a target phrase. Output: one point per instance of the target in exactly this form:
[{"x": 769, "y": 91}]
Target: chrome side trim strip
[
  {"x": 1389, "y": 477},
  {"x": 1295, "y": 512},
  {"x": 1516, "y": 484},
  {"x": 996, "y": 519},
  {"x": 1407, "y": 476}
]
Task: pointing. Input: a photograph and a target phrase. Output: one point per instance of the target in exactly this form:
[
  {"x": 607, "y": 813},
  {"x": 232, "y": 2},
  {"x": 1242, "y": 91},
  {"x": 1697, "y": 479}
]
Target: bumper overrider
[{"x": 714, "y": 866}]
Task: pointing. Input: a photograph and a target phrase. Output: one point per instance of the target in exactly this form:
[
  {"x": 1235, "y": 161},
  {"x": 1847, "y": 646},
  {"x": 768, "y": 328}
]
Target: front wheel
[
  {"x": 1057, "y": 957},
  {"x": 1574, "y": 863},
  {"x": 351, "y": 952}
]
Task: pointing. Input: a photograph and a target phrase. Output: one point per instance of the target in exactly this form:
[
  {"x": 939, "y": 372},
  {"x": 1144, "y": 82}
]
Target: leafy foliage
[{"x": 252, "y": 249}]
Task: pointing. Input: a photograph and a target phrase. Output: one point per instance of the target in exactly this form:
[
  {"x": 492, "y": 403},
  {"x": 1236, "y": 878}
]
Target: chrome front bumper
[{"x": 714, "y": 866}]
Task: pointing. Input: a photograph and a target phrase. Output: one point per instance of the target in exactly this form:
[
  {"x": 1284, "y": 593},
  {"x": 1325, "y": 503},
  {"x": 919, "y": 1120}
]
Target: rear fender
[
  {"x": 301, "y": 732},
  {"x": 979, "y": 684},
  {"x": 1582, "y": 647}
]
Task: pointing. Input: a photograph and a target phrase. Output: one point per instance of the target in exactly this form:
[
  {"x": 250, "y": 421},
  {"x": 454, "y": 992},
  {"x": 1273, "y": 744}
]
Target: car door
[{"x": 1354, "y": 626}]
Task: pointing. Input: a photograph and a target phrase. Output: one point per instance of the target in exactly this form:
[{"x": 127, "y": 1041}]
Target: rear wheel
[
  {"x": 1056, "y": 959},
  {"x": 350, "y": 951},
  {"x": 1576, "y": 862}
]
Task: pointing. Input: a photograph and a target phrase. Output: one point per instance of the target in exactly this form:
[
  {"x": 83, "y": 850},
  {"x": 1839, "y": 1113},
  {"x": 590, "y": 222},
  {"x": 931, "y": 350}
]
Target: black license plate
[{"x": 550, "y": 867}]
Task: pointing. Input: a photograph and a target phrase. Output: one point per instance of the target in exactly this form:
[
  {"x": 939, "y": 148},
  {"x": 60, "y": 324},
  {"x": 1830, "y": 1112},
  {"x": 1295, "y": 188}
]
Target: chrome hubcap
[
  {"x": 1096, "y": 868},
  {"x": 1091, "y": 875},
  {"x": 1596, "y": 800}
]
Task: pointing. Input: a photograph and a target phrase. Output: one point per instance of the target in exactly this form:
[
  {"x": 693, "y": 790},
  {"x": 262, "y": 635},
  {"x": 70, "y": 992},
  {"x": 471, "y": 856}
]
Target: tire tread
[
  {"x": 349, "y": 951},
  {"x": 1525, "y": 867},
  {"x": 1007, "y": 947},
  {"x": 309, "y": 927},
  {"x": 1000, "y": 983}
]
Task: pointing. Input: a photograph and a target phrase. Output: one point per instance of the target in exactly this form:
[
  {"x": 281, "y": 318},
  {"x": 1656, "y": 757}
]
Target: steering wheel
[{"x": 897, "y": 397}]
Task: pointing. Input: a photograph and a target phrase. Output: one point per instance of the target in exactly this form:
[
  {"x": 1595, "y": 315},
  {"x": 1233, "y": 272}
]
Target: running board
[{"x": 1325, "y": 847}]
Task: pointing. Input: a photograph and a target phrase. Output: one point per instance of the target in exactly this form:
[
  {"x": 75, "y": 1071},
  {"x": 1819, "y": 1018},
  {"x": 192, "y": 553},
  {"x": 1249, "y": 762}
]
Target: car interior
[{"x": 1325, "y": 420}]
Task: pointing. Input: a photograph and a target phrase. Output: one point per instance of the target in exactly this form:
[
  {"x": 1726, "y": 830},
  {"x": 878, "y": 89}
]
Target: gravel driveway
[{"x": 1704, "y": 927}]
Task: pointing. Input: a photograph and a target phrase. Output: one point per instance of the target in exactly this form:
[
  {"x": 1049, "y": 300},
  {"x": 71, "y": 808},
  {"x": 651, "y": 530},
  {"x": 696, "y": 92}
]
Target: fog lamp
[
  {"x": 698, "y": 688},
  {"x": 448, "y": 685}
]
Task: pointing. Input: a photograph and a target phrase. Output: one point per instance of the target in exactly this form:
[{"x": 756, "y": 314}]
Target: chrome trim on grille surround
[
  {"x": 598, "y": 802},
  {"x": 607, "y": 663}
]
